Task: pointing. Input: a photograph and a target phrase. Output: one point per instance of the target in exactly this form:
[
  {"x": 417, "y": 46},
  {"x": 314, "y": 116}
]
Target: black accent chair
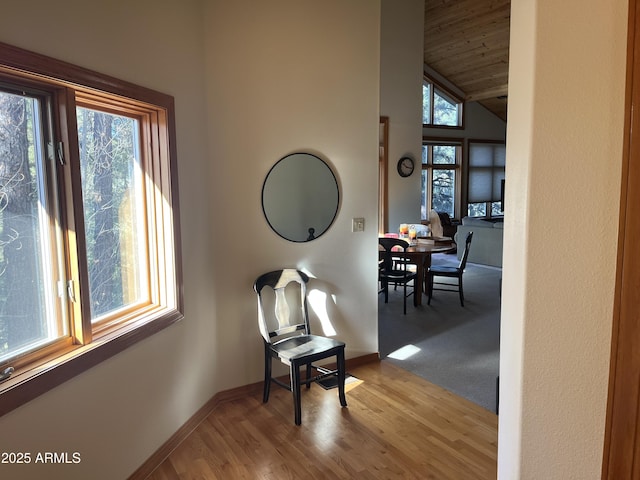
[
  {"x": 449, "y": 228},
  {"x": 450, "y": 272},
  {"x": 283, "y": 319},
  {"x": 393, "y": 268}
]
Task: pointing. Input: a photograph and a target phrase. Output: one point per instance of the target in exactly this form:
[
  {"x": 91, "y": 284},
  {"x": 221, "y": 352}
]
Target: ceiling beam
[{"x": 494, "y": 92}]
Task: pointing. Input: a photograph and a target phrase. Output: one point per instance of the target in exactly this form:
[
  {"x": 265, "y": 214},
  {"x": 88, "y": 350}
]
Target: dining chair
[
  {"x": 393, "y": 269},
  {"x": 283, "y": 320},
  {"x": 450, "y": 272}
]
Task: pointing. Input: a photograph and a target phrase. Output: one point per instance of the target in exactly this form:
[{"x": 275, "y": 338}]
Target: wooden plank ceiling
[{"x": 467, "y": 42}]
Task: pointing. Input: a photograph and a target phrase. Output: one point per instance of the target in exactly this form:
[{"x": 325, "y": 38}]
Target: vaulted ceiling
[{"x": 467, "y": 42}]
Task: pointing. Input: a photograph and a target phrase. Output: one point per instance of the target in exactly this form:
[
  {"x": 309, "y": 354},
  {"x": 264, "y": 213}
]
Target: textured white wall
[
  {"x": 252, "y": 82},
  {"x": 401, "y": 60},
  {"x": 564, "y": 148}
]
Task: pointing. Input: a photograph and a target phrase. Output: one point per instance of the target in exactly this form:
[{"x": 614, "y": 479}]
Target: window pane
[
  {"x": 481, "y": 185},
  {"x": 424, "y": 198},
  {"x": 443, "y": 191},
  {"x": 113, "y": 198},
  {"x": 444, "y": 154},
  {"x": 477, "y": 209},
  {"x": 445, "y": 112},
  {"x": 499, "y": 155},
  {"x": 486, "y": 171},
  {"x": 426, "y": 103},
  {"x": 28, "y": 274},
  {"x": 480, "y": 155}
]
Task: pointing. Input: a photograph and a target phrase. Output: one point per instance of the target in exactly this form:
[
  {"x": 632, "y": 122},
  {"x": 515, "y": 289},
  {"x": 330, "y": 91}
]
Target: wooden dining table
[{"x": 419, "y": 254}]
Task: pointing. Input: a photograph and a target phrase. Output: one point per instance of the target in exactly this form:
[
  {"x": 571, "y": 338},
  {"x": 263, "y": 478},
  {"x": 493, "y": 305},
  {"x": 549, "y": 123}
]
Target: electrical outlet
[{"x": 357, "y": 225}]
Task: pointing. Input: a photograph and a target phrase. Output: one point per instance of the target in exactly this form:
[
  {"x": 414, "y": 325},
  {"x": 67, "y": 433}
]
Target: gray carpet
[{"x": 452, "y": 346}]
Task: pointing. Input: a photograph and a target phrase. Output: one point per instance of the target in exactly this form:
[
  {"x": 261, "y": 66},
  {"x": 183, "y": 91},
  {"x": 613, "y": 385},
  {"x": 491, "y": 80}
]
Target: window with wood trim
[
  {"x": 89, "y": 244},
  {"x": 441, "y": 161},
  {"x": 440, "y": 108}
]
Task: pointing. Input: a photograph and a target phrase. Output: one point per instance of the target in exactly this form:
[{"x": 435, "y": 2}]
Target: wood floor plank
[{"x": 397, "y": 425}]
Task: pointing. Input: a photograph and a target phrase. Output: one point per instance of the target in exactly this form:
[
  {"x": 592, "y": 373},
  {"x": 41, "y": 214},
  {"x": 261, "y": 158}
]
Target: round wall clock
[{"x": 405, "y": 166}]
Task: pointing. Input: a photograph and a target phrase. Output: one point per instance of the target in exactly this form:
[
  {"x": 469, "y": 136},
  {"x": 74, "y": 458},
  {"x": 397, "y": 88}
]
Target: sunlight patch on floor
[
  {"x": 351, "y": 383},
  {"x": 404, "y": 352}
]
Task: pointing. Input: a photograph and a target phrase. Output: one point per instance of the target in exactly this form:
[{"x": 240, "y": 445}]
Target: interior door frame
[{"x": 622, "y": 432}]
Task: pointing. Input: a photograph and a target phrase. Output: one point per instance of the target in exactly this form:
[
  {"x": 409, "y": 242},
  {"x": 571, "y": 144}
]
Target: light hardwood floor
[{"x": 397, "y": 425}]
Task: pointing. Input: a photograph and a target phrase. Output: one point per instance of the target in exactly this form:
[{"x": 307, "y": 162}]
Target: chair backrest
[
  {"x": 434, "y": 224},
  {"x": 445, "y": 219},
  {"x": 282, "y": 308},
  {"x": 392, "y": 248},
  {"x": 465, "y": 253}
]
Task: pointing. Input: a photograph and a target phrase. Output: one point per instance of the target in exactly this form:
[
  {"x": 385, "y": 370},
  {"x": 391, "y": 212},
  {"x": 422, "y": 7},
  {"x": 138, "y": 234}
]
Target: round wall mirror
[{"x": 300, "y": 197}]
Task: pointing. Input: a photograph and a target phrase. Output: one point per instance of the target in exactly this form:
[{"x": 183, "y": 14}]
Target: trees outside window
[
  {"x": 441, "y": 158},
  {"x": 440, "y": 177},
  {"x": 439, "y": 108},
  {"x": 113, "y": 202},
  {"x": 28, "y": 245}
]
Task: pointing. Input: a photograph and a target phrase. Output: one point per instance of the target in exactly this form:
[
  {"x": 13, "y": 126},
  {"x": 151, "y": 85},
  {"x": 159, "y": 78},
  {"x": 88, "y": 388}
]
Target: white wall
[
  {"x": 480, "y": 123},
  {"x": 286, "y": 77},
  {"x": 564, "y": 149},
  {"x": 252, "y": 82},
  {"x": 401, "y": 57}
]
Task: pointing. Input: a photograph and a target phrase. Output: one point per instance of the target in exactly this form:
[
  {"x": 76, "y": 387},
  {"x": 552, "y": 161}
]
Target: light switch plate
[{"x": 357, "y": 225}]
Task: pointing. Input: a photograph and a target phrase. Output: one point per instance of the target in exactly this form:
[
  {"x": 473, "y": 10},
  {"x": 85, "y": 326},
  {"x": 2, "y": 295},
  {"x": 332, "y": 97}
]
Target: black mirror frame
[{"x": 312, "y": 233}]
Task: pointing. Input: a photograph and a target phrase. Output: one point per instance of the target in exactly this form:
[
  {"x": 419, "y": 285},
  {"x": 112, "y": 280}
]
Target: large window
[
  {"x": 439, "y": 108},
  {"x": 440, "y": 177},
  {"x": 486, "y": 178},
  {"x": 89, "y": 245}
]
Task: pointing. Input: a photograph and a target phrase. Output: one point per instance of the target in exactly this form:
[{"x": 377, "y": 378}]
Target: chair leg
[
  {"x": 341, "y": 376},
  {"x": 430, "y": 289},
  {"x": 308, "y": 382},
  {"x": 294, "y": 373},
  {"x": 267, "y": 375},
  {"x": 404, "y": 293},
  {"x": 460, "y": 290}
]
